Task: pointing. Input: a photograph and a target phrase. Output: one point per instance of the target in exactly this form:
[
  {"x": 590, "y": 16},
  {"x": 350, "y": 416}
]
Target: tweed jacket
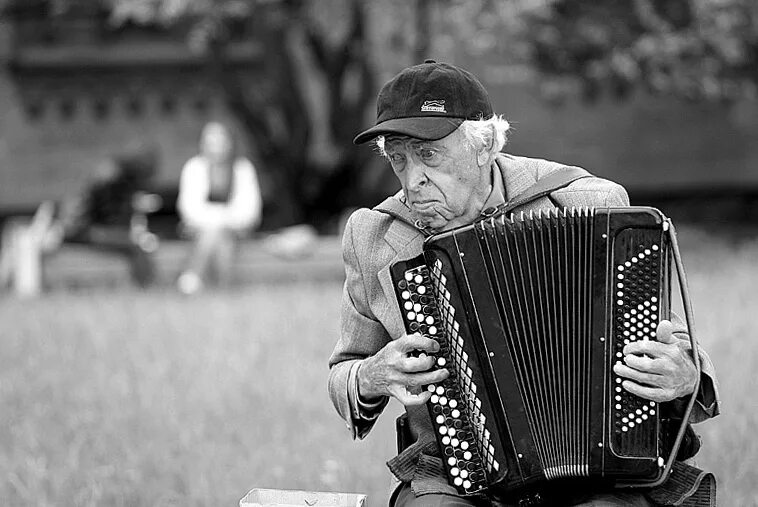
[{"x": 370, "y": 314}]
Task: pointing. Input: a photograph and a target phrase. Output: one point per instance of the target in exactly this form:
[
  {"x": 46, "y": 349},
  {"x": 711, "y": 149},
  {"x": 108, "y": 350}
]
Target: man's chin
[{"x": 436, "y": 223}]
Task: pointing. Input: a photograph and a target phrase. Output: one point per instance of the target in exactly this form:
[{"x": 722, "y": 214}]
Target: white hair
[{"x": 478, "y": 132}]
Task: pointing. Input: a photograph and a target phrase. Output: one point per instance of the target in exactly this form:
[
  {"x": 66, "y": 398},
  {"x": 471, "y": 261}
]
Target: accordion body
[{"x": 531, "y": 313}]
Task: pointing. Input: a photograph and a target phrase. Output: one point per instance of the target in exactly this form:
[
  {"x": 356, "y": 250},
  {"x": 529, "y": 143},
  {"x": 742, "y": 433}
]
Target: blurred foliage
[
  {"x": 325, "y": 60},
  {"x": 695, "y": 49}
]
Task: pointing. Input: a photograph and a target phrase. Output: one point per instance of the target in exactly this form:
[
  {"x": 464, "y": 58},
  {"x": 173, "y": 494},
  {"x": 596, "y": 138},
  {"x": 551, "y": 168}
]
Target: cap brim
[{"x": 428, "y": 128}]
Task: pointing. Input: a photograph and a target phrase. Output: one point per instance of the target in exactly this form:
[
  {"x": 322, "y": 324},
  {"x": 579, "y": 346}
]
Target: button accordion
[{"x": 531, "y": 313}]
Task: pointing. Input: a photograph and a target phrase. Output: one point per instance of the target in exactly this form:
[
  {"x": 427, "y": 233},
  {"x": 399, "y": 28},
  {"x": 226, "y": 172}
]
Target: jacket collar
[{"x": 516, "y": 177}]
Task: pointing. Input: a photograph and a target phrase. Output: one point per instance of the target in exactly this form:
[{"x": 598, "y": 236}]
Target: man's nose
[{"x": 416, "y": 176}]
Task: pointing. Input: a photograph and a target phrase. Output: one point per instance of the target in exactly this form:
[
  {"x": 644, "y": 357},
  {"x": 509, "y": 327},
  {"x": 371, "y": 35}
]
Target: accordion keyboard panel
[
  {"x": 460, "y": 446},
  {"x": 637, "y": 265}
]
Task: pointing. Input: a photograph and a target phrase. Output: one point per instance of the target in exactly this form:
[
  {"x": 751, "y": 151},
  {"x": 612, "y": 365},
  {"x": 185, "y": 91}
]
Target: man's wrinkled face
[{"x": 443, "y": 182}]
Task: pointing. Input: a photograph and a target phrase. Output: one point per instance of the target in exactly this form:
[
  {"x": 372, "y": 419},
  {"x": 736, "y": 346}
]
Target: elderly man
[{"x": 436, "y": 126}]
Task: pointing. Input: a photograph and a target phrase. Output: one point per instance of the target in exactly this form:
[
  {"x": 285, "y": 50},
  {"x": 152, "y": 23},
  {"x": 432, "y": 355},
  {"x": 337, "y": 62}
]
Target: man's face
[{"x": 444, "y": 184}]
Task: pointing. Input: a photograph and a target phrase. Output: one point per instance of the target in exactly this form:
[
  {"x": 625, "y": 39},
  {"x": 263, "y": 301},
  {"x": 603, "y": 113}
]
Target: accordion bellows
[{"x": 532, "y": 312}]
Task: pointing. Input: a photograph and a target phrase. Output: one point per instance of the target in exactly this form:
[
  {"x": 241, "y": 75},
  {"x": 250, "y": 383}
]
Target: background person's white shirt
[{"x": 241, "y": 211}]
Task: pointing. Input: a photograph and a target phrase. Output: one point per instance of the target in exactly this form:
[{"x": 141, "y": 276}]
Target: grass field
[{"x": 129, "y": 398}]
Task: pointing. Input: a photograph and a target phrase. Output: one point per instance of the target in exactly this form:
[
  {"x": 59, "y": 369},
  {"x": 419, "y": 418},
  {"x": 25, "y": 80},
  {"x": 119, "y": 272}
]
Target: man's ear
[{"x": 484, "y": 152}]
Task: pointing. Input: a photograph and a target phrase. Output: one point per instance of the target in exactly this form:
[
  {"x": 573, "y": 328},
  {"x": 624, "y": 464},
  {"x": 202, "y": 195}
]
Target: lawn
[{"x": 148, "y": 398}]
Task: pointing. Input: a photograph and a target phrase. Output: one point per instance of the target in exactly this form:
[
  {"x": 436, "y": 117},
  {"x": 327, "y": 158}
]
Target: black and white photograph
[{"x": 355, "y": 253}]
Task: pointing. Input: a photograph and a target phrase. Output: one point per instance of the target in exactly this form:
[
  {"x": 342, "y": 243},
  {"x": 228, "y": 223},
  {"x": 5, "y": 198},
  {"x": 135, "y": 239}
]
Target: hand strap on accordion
[{"x": 689, "y": 319}]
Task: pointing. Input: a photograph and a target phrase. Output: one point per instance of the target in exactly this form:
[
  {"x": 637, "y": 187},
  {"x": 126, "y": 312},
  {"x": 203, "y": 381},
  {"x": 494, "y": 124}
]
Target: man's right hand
[{"x": 394, "y": 371}]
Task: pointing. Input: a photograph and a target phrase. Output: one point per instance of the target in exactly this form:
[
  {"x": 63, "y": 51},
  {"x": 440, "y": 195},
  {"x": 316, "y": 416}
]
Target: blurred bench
[{"x": 76, "y": 266}]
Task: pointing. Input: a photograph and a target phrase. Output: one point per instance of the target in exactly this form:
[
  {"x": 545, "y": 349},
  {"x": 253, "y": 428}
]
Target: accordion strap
[{"x": 543, "y": 187}]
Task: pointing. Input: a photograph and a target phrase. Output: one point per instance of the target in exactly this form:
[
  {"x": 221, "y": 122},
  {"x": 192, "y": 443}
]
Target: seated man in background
[
  {"x": 436, "y": 127},
  {"x": 219, "y": 202},
  {"x": 110, "y": 212}
]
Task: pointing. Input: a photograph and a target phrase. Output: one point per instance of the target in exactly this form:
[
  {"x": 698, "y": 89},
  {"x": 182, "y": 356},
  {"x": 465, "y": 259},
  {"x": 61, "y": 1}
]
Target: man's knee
[{"x": 406, "y": 498}]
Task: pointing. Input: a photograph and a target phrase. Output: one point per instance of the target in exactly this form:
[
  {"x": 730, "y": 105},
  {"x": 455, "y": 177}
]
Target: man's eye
[
  {"x": 428, "y": 154},
  {"x": 396, "y": 158}
]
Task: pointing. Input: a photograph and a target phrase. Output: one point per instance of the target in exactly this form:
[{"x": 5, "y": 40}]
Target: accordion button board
[{"x": 457, "y": 442}]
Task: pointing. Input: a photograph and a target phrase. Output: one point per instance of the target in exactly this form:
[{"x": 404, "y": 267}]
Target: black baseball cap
[{"x": 428, "y": 101}]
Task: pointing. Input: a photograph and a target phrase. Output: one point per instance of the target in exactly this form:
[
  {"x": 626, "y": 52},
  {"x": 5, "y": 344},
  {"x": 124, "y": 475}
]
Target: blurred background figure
[
  {"x": 219, "y": 203},
  {"x": 111, "y": 212}
]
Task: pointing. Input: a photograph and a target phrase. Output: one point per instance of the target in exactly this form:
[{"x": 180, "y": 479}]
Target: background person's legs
[
  {"x": 213, "y": 249},
  {"x": 223, "y": 259}
]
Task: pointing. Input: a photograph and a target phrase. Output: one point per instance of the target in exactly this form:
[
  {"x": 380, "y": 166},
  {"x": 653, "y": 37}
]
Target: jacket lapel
[{"x": 406, "y": 241}]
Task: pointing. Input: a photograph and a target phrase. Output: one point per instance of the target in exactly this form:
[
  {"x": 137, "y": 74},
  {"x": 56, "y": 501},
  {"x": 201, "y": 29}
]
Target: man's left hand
[{"x": 660, "y": 370}]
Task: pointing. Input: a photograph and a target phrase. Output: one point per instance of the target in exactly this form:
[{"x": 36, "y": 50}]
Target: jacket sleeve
[
  {"x": 707, "y": 403},
  {"x": 361, "y": 335}
]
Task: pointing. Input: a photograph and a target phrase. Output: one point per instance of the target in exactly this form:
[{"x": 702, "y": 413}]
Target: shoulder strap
[{"x": 545, "y": 186}]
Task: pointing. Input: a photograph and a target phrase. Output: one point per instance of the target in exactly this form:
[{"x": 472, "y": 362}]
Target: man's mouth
[{"x": 424, "y": 205}]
